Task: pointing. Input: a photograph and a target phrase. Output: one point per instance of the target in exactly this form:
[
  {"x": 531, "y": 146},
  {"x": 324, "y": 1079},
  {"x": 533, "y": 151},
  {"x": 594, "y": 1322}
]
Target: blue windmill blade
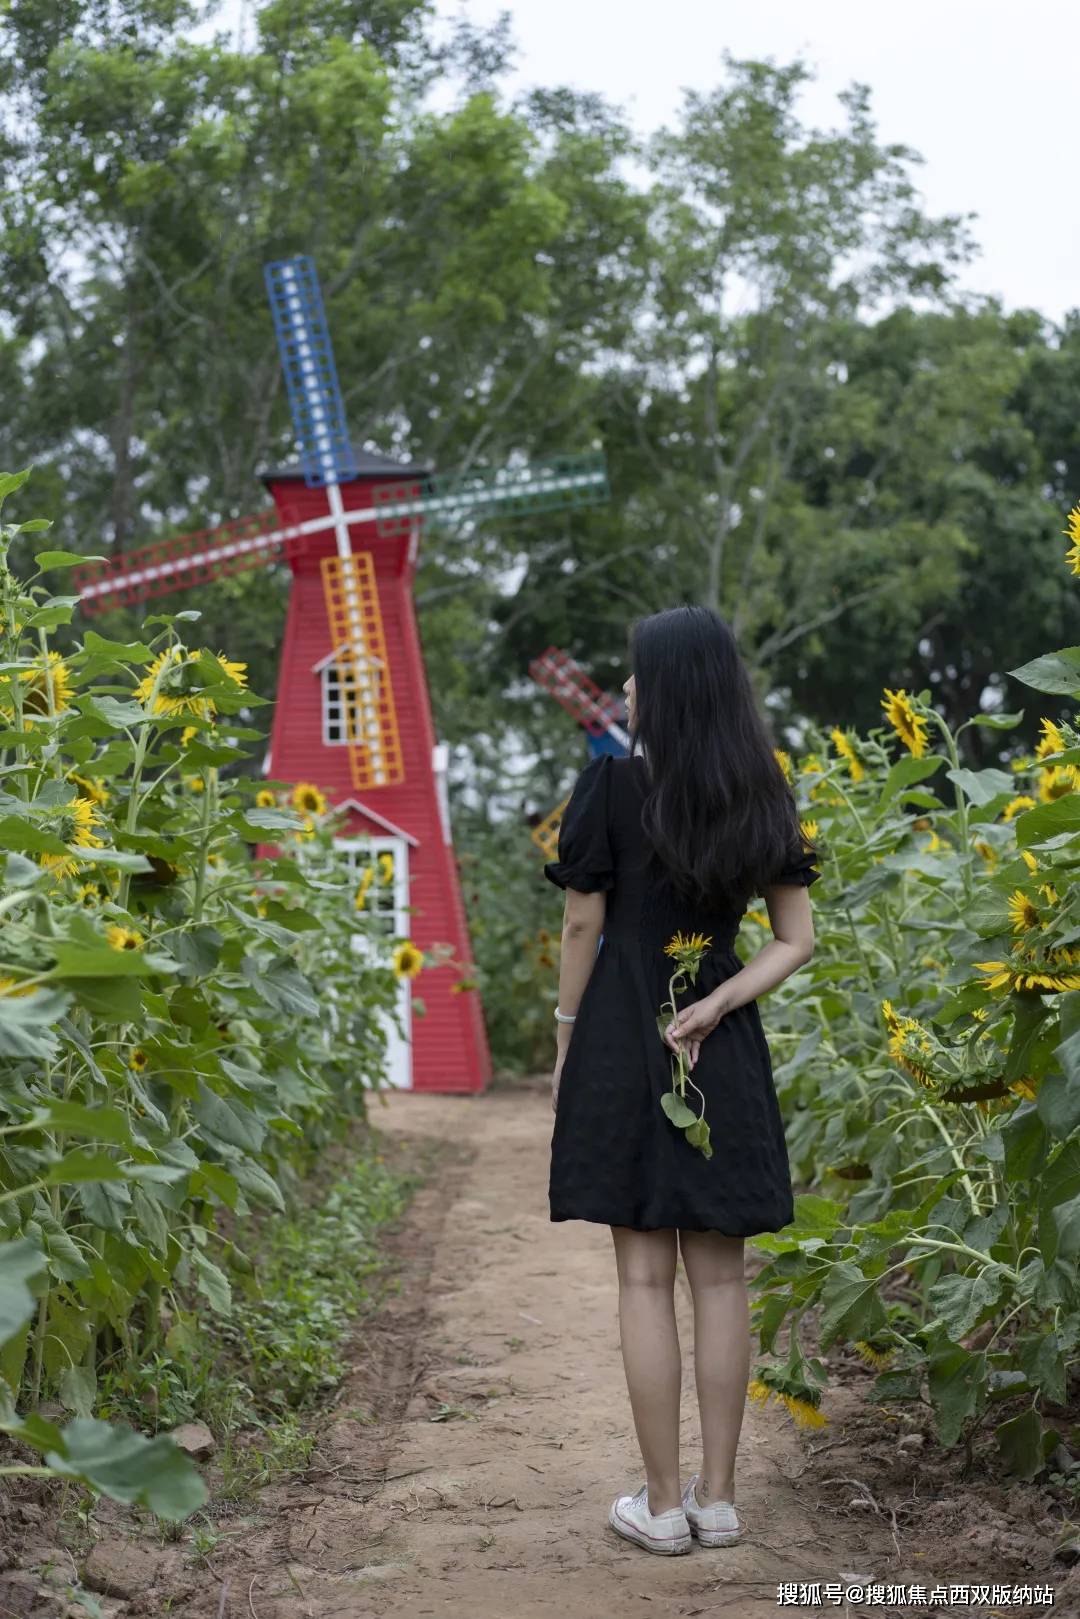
[{"x": 311, "y": 380}]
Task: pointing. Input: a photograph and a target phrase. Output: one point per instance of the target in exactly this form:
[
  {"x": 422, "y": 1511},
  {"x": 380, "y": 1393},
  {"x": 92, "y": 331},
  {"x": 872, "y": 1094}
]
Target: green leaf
[
  {"x": 18, "y": 832},
  {"x": 1047, "y": 821},
  {"x": 850, "y": 1304},
  {"x": 960, "y": 1301},
  {"x": 988, "y": 914},
  {"x": 227, "y": 1120},
  {"x": 1054, "y": 672},
  {"x": 78, "y": 1389},
  {"x": 19, "y": 1262},
  {"x": 997, "y": 722},
  {"x": 906, "y": 771},
  {"x": 676, "y": 1110},
  {"x": 283, "y": 986},
  {"x": 956, "y": 1382},
  {"x": 63, "y": 559},
  {"x": 152, "y": 1473},
  {"x": 212, "y": 1282},
  {"x": 101, "y": 1123},
  {"x": 27, "y": 1023},
  {"x": 10, "y": 481},
  {"x": 122, "y": 652},
  {"x": 84, "y": 1164},
  {"x": 980, "y": 786},
  {"x": 1020, "y": 1442}
]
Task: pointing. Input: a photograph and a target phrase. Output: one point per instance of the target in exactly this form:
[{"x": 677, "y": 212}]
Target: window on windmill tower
[{"x": 339, "y": 706}]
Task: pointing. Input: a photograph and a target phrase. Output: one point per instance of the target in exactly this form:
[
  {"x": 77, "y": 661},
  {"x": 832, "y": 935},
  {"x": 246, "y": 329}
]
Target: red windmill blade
[{"x": 597, "y": 710}]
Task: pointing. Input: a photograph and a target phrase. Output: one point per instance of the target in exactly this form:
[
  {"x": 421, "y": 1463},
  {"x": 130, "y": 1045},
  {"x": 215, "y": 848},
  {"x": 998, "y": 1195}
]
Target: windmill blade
[
  {"x": 367, "y": 695},
  {"x": 311, "y": 380},
  {"x": 556, "y": 484},
  {"x": 181, "y": 561},
  {"x": 597, "y": 710},
  {"x": 546, "y": 833}
]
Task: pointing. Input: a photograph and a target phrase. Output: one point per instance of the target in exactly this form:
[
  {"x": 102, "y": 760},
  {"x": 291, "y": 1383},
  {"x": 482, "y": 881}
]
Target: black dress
[{"x": 615, "y": 1156}]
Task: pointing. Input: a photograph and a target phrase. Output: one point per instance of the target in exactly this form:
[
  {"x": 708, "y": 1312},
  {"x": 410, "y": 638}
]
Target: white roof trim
[
  {"x": 332, "y": 657},
  {"x": 364, "y": 809}
]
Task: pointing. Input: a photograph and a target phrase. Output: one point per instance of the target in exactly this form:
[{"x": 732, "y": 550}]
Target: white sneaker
[
  {"x": 666, "y": 1533},
  {"x": 714, "y": 1525}
]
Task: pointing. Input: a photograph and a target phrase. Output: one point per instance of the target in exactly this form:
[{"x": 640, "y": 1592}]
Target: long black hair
[{"x": 719, "y": 812}]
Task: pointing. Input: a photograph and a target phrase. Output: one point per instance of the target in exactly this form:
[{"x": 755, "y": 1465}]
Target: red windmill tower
[{"x": 353, "y": 712}]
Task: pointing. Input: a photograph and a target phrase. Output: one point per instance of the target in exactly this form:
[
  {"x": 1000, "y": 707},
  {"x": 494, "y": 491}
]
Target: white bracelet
[{"x": 563, "y": 1017}]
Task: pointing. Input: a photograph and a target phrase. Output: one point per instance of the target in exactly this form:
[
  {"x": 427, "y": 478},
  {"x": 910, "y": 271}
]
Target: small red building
[{"x": 446, "y": 1048}]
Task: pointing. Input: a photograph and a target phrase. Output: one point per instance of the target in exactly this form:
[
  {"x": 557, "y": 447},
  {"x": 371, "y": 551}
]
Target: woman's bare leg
[
  {"x": 651, "y": 1357},
  {"x": 714, "y": 1269}
]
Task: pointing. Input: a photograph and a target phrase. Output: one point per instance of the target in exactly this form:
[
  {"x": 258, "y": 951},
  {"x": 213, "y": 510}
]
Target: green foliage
[
  {"x": 926, "y": 1063},
  {"x": 183, "y": 1027}
]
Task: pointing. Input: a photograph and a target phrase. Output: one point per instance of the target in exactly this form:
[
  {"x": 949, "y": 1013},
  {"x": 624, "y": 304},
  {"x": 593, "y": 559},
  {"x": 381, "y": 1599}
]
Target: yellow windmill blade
[
  {"x": 373, "y": 740},
  {"x": 546, "y": 832}
]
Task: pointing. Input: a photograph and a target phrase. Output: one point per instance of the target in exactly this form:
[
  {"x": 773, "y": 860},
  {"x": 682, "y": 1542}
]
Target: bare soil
[{"x": 466, "y": 1465}]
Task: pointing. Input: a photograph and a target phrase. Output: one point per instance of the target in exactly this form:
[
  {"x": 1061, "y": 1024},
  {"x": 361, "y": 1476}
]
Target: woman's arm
[
  {"x": 583, "y": 923},
  {"x": 790, "y": 947}
]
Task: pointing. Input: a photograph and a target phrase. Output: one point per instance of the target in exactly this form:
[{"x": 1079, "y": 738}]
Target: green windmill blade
[{"x": 559, "y": 483}]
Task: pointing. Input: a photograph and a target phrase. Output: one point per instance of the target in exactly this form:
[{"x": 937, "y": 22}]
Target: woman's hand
[{"x": 689, "y": 1027}]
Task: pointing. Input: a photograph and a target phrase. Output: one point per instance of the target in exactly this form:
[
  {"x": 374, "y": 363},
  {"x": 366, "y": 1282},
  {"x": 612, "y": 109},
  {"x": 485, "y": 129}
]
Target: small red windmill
[
  {"x": 353, "y": 712},
  {"x": 601, "y": 713}
]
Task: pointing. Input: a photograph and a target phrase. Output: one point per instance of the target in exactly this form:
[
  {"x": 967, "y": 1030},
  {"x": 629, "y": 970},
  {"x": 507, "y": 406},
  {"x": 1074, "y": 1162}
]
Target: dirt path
[{"x": 499, "y": 1511}]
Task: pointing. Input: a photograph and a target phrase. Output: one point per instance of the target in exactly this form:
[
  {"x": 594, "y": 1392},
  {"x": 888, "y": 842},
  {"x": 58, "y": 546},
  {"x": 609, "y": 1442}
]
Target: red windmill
[{"x": 353, "y": 712}]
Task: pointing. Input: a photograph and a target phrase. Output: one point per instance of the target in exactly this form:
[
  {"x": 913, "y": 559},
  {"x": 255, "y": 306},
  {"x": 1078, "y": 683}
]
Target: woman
[{"x": 677, "y": 837}]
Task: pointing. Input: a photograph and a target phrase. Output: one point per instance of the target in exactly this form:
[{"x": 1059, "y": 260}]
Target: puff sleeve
[
  {"x": 586, "y": 861},
  {"x": 800, "y": 868}
]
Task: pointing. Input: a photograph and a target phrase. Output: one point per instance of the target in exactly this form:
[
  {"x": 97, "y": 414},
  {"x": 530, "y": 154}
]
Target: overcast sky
[{"x": 985, "y": 90}]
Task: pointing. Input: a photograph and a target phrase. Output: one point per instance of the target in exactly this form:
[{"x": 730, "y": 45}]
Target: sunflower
[
  {"x": 138, "y": 1059},
  {"x": 1023, "y": 912},
  {"x": 88, "y": 895},
  {"x": 74, "y": 824},
  {"x": 872, "y": 1354},
  {"x": 903, "y": 1032},
  {"x": 235, "y": 671},
  {"x": 307, "y": 798},
  {"x": 121, "y": 938},
  {"x": 366, "y": 880},
  {"x": 386, "y": 867},
  {"x": 195, "y": 784},
  {"x": 759, "y": 917},
  {"x": 407, "y": 960},
  {"x": 811, "y": 765},
  {"x": 1015, "y": 805},
  {"x": 803, "y": 1406},
  {"x": 1024, "y": 1088},
  {"x": 1057, "y": 780},
  {"x": 687, "y": 948},
  {"x": 306, "y": 831},
  {"x": 844, "y": 747},
  {"x": 1029, "y": 860},
  {"x": 1051, "y": 740},
  {"x": 987, "y": 850},
  {"x": 909, "y": 726},
  {"x": 809, "y": 830},
  {"x": 92, "y": 788},
  {"x": 1072, "y": 556},
  {"x": 1026, "y": 971},
  {"x": 9, "y": 986},
  {"x": 171, "y": 698},
  {"x": 52, "y": 672},
  {"x": 783, "y": 759},
  {"x": 265, "y": 799}
]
